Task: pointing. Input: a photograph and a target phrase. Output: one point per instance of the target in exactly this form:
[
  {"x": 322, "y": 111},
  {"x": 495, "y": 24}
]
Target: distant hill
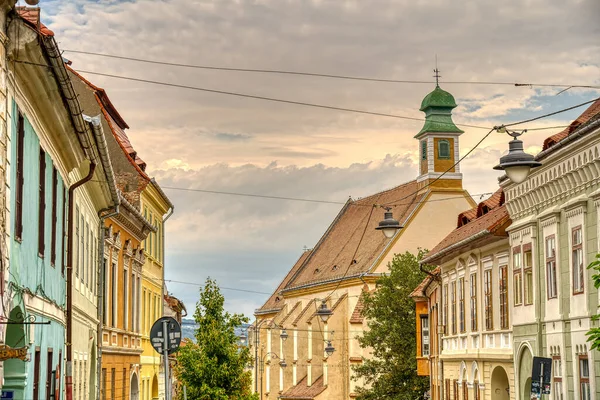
[{"x": 189, "y": 326}]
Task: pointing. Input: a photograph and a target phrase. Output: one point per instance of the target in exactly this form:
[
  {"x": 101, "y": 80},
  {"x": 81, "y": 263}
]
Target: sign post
[
  {"x": 165, "y": 337},
  {"x": 540, "y": 377}
]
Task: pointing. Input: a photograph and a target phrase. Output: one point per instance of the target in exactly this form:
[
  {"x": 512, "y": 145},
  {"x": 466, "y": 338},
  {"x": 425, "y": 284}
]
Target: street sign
[
  {"x": 157, "y": 337},
  {"x": 541, "y": 376},
  {"x": 7, "y": 352}
]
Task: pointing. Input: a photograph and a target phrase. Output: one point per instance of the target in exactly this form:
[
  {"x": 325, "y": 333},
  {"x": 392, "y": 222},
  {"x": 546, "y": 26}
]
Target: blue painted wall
[{"x": 28, "y": 271}]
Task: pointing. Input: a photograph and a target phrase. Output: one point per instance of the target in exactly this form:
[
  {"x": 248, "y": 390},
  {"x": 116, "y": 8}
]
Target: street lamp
[
  {"x": 324, "y": 312},
  {"x": 389, "y": 226},
  {"x": 329, "y": 349},
  {"x": 283, "y": 335},
  {"x": 273, "y": 356},
  {"x": 517, "y": 164},
  {"x": 243, "y": 337}
]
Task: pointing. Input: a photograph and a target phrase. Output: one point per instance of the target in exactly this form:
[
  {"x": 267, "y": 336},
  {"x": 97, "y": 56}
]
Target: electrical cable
[{"x": 319, "y": 75}]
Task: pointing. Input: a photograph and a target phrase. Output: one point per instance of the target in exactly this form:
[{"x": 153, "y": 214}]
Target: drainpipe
[
  {"x": 103, "y": 214},
  {"x": 69, "y": 369}
]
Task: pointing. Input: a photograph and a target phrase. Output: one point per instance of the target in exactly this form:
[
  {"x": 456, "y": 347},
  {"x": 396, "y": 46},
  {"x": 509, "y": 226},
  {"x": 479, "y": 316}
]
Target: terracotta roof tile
[
  {"x": 332, "y": 258},
  {"x": 487, "y": 223},
  {"x": 420, "y": 290},
  {"x": 304, "y": 311},
  {"x": 588, "y": 114},
  {"x": 303, "y": 391},
  {"x": 275, "y": 301},
  {"x": 357, "y": 315},
  {"x": 495, "y": 200},
  {"x": 31, "y": 15},
  {"x": 284, "y": 319}
]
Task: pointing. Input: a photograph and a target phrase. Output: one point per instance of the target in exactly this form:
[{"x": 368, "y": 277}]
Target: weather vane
[{"x": 436, "y": 71}]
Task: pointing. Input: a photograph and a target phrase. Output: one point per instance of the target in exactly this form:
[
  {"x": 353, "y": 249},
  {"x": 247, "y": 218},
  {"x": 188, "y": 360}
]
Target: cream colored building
[
  {"x": 156, "y": 208},
  {"x": 347, "y": 260}
]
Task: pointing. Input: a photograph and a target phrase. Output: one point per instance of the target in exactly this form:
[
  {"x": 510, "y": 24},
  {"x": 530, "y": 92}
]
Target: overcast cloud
[{"x": 200, "y": 140}]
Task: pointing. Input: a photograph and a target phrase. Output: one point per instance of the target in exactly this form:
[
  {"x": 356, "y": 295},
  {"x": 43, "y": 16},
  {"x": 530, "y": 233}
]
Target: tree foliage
[
  {"x": 594, "y": 333},
  {"x": 213, "y": 368},
  {"x": 391, "y": 373}
]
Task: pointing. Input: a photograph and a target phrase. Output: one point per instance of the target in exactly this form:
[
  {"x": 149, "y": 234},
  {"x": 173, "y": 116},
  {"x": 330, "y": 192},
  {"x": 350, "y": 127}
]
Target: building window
[
  {"x": 456, "y": 391},
  {"x": 454, "y": 308},
  {"x": 517, "y": 277},
  {"x": 474, "y": 302},
  {"x": 445, "y": 316},
  {"x": 105, "y": 291},
  {"x": 487, "y": 286},
  {"x": 114, "y": 286},
  {"x": 87, "y": 271},
  {"x": 461, "y": 304},
  {"x": 103, "y": 385},
  {"x": 424, "y": 335},
  {"x": 423, "y": 149},
  {"x": 557, "y": 372},
  {"x": 503, "y": 297},
  {"x": 444, "y": 149},
  {"x": 551, "y": 266},
  {"x": 20, "y": 177},
  {"x": 42, "y": 204},
  {"x": 36, "y": 374},
  {"x": 49, "y": 366},
  {"x": 126, "y": 298},
  {"x": 54, "y": 225},
  {"x": 584, "y": 379},
  {"x": 447, "y": 389},
  {"x": 465, "y": 390},
  {"x": 82, "y": 248},
  {"x": 112, "y": 384},
  {"x": 577, "y": 258},
  {"x": 77, "y": 249},
  {"x": 528, "y": 274},
  {"x": 124, "y": 388}
]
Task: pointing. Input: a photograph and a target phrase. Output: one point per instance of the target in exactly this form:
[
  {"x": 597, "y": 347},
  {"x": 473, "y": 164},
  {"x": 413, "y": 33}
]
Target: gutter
[
  {"x": 69, "y": 311},
  {"x": 457, "y": 245},
  {"x": 96, "y": 127}
]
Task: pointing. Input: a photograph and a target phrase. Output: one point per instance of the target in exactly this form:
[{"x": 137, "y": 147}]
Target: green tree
[
  {"x": 594, "y": 333},
  {"x": 213, "y": 368},
  {"x": 392, "y": 371}
]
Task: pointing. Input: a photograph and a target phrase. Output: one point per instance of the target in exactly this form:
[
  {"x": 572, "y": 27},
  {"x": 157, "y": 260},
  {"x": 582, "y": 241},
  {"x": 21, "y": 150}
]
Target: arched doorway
[
  {"x": 524, "y": 376},
  {"x": 134, "y": 388},
  {"x": 15, "y": 375},
  {"x": 500, "y": 385},
  {"x": 154, "y": 388}
]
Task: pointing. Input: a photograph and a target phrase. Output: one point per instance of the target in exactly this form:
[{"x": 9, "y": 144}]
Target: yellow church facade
[{"x": 346, "y": 261}]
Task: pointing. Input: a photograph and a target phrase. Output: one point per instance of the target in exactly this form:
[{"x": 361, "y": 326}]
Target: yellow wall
[
  {"x": 442, "y": 165},
  {"x": 422, "y": 362},
  {"x": 154, "y": 208}
]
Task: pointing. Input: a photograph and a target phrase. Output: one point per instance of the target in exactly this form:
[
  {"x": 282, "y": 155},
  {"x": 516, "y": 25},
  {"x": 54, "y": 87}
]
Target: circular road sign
[{"x": 173, "y": 335}]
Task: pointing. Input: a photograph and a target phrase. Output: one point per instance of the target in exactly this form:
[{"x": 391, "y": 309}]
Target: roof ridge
[{"x": 379, "y": 194}]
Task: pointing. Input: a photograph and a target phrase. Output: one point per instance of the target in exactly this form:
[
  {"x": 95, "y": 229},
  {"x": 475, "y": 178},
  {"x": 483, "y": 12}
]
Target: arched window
[{"x": 444, "y": 149}]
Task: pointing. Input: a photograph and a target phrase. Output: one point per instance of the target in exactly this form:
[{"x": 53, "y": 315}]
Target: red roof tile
[
  {"x": 488, "y": 223},
  {"x": 590, "y": 112},
  {"x": 303, "y": 391},
  {"x": 495, "y": 200},
  {"x": 333, "y": 256},
  {"x": 420, "y": 290},
  {"x": 31, "y": 15},
  {"x": 276, "y": 300}
]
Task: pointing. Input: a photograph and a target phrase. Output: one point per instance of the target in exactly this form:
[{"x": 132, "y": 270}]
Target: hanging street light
[
  {"x": 282, "y": 363},
  {"x": 329, "y": 349},
  {"x": 324, "y": 312},
  {"x": 243, "y": 337},
  {"x": 283, "y": 335},
  {"x": 517, "y": 164},
  {"x": 389, "y": 226}
]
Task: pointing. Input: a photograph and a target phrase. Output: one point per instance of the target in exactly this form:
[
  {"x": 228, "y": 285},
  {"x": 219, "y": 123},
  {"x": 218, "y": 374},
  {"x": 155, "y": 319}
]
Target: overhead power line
[{"x": 320, "y": 75}]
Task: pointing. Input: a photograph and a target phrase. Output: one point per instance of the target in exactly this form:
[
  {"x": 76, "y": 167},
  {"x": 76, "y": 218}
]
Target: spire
[{"x": 436, "y": 75}]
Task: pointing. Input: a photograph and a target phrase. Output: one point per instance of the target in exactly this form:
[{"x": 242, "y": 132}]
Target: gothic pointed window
[{"x": 444, "y": 149}]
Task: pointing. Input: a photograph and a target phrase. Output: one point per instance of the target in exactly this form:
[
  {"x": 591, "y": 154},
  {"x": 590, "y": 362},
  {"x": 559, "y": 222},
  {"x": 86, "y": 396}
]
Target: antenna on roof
[{"x": 437, "y": 75}]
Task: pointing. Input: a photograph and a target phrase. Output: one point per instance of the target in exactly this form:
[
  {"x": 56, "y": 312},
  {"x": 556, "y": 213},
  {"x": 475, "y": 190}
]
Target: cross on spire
[{"x": 437, "y": 76}]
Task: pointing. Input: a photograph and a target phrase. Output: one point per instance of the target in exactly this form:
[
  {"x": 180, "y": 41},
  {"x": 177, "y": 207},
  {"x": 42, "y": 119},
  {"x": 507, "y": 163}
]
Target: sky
[{"x": 200, "y": 140}]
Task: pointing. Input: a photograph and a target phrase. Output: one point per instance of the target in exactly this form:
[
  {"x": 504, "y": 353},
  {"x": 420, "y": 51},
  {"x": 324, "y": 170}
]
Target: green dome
[{"x": 438, "y": 98}]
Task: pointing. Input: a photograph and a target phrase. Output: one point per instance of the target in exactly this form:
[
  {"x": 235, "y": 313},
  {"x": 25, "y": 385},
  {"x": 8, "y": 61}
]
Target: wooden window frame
[
  {"x": 488, "y": 299},
  {"x": 517, "y": 276},
  {"x": 503, "y": 289},
  {"x": 54, "y": 216},
  {"x": 461, "y": 305},
  {"x": 103, "y": 385},
  {"x": 527, "y": 271},
  {"x": 456, "y": 389},
  {"x": 453, "y": 296},
  {"x": 425, "y": 317},
  {"x": 75, "y": 256},
  {"x": 20, "y": 179},
  {"x": 42, "y": 204},
  {"x": 124, "y": 387},
  {"x": 577, "y": 270},
  {"x": 447, "y": 389},
  {"x": 36, "y": 373},
  {"x": 473, "y": 292},
  {"x": 446, "y": 142},
  {"x": 113, "y": 376},
  {"x": 49, "y": 365},
  {"x": 584, "y": 380},
  {"x": 551, "y": 284},
  {"x": 465, "y": 390},
  {"x": 445, "y": 316}
]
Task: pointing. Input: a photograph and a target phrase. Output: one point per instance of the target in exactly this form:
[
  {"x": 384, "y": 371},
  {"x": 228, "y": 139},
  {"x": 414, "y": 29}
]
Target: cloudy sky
[{"x": 193, "y": 139}]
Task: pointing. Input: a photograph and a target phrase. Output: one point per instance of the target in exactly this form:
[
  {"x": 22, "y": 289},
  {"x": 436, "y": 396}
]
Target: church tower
[{"x": 438, "y": 143}]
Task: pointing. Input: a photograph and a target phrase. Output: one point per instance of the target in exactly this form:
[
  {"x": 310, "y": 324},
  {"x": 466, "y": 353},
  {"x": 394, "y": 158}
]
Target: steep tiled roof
[
  {"x": 31, "y": 15},
  {"x": 357, "y": 315},
  {"x": 495, "y": 200},
  {"x": 420, "y": 290},
  {"x": 303, "y": 391},
  {"x": 488, "y": 223},
  {"x": 590, "y": 112},
  {"x": 275, "y": 302},
  {"x": 333, "y": 256}
]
